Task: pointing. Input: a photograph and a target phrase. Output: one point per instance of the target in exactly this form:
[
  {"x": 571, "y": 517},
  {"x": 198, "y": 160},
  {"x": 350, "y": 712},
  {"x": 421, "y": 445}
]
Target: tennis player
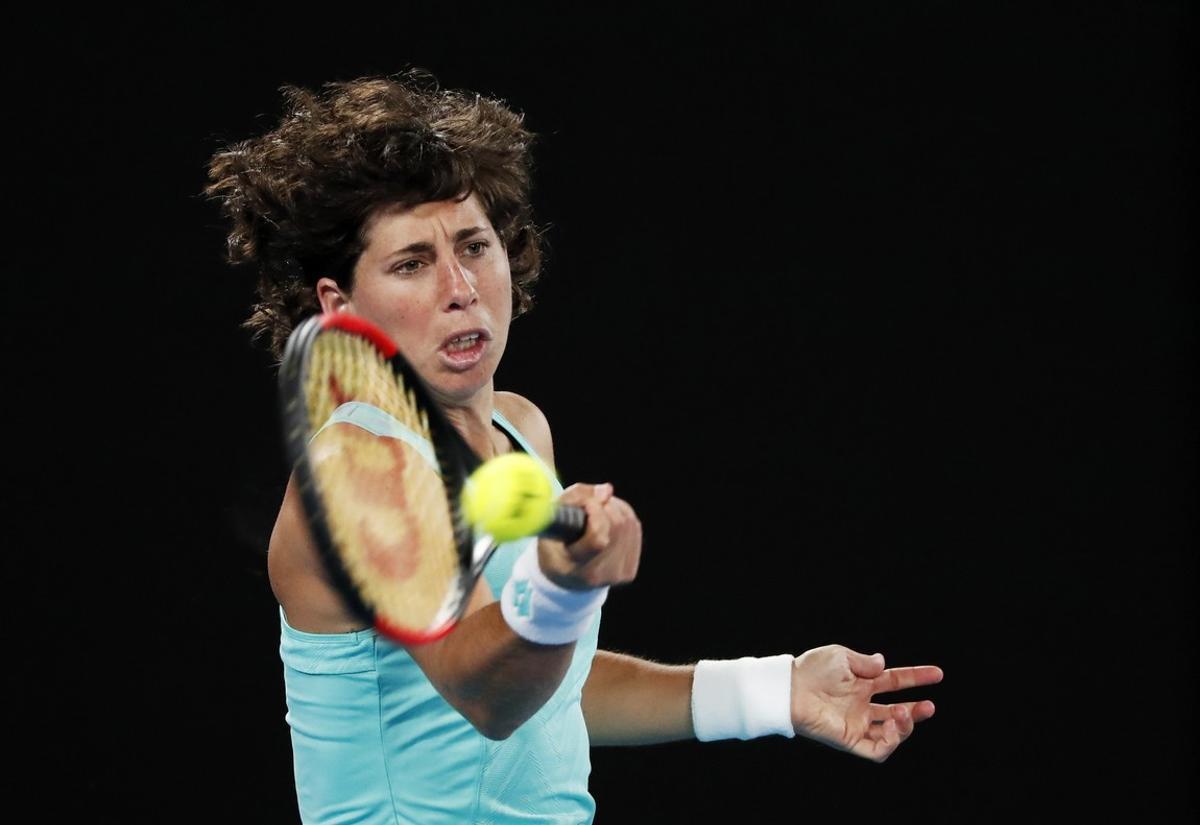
[{"x": 408, "y": 205}]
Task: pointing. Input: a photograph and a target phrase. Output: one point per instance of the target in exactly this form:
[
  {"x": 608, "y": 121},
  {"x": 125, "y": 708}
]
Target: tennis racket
[{"x": 380, "y": 472}]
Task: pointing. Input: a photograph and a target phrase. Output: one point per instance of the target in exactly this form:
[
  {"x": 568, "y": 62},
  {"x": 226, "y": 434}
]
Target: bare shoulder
[
  {"x": 530, "y": 420},
  {"x": 298, "y": 576}
]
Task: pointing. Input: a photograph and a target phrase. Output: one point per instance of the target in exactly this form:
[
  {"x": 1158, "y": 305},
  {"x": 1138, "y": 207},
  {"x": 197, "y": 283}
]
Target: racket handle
[{"x": 570, "y": 522}]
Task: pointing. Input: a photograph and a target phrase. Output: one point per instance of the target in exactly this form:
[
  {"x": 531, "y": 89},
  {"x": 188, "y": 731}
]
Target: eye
[
  {"x": 477, "y": 248},
  {"x": 407, "y": 267}
]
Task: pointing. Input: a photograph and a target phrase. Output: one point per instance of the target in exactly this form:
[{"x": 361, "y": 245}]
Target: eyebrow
[{"x": 425, "y": 246}]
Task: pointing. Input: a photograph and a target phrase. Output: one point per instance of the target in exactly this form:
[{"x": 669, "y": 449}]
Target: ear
[{"x": 331, "y": 297}]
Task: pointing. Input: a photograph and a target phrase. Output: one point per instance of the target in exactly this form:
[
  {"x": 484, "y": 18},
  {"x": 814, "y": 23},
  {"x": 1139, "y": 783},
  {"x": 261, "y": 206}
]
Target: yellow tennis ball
[{"x": 509, "y": 497}]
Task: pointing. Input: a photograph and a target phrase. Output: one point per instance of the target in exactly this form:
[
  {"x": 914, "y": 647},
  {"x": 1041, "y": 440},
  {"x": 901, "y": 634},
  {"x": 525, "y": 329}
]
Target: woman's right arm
[{"x": 493, "y": 677}]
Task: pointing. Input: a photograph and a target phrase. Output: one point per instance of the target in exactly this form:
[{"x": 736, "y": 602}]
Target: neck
[{"x": 473, "y": 420}]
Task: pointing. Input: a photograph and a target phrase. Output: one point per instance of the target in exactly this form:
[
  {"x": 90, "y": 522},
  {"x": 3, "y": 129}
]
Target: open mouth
[
  {"x": 463, "y": 350},
  {"x": 461, "y": 343}
]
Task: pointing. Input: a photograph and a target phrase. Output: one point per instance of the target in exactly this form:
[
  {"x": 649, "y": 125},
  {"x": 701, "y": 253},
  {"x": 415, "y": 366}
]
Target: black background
[{"x": 881, "y": 315}]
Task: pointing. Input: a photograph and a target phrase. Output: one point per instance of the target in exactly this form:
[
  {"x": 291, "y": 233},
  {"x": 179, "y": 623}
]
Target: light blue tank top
[{"x": 374, "y": 742}]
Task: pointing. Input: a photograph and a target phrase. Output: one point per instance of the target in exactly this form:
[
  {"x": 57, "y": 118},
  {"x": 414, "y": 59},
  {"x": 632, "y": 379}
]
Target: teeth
[{"x": 463, "y": 342}]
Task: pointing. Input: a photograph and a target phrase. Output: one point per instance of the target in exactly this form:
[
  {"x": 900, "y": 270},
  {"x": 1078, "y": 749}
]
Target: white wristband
[
  {"x": 539, "y": 610},
  {"x": 742, "y": 698}
]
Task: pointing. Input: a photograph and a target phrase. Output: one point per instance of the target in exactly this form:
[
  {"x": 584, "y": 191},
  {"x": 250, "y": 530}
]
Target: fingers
[
  {"x": 922, "y": 710},
  {"x": 879, "y": 713},
  {"x": 579, "y": 494},
  {"x": 890, "y": 725},
  {"x": 625, "y": 543},
  {"x": 905, "y": 713},
  {"x": 885, "y": 733},
  {"x": 899, "y": 678},
  {"x": 881, "y": 740},
  {"x": 864, "y": 665},
  {"x": 609, "y": 551},
  {"x": 597, "y": 535},
  {"x": 603, "y": 492},
  {"x": 596, "y": 500}
]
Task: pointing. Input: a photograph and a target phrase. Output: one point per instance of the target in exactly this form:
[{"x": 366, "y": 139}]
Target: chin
[{"x": 460, "y": 388}]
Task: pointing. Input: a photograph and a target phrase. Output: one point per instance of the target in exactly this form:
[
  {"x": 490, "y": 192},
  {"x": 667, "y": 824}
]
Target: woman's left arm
[{"x": 631, "y": 701}]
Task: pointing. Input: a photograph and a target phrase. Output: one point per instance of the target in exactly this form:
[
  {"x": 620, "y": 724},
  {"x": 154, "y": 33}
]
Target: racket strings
[{"x": 386, "y": 505}]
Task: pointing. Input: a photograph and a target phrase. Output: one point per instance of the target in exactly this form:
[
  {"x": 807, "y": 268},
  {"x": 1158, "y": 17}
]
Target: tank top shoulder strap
[
  {"x": 507, "y": 426},
  {"x": 522, "y": 442}
]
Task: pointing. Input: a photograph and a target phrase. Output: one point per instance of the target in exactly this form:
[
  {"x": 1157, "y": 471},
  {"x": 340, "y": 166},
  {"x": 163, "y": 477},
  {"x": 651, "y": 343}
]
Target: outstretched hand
[{"x": 832, "y": 688}]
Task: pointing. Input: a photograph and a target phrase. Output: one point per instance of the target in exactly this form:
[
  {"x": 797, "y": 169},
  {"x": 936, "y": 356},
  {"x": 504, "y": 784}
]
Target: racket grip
[{"x": 570, "y": 522}]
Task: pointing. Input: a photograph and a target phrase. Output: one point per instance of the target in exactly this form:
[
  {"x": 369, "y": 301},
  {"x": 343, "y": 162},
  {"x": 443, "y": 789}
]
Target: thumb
[
  {"x": 580, "y": 493},
  {"x": 866, "y": 666}
]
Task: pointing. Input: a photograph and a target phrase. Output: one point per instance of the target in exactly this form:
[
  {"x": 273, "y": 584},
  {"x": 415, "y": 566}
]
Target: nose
[{"x": 458, "y": 285}]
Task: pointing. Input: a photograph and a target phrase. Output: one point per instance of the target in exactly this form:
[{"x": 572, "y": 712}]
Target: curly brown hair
[{"x": 297, "y": 198}]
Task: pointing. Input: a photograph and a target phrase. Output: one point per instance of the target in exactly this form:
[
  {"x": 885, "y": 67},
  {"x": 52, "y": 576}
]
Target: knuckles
[{"x": 609, "y": 552}]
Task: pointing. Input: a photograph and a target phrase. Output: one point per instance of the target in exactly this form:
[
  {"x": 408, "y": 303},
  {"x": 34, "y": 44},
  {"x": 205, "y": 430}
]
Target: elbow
[
  {"x": 495, "y": 732},
  {"x": 490, "y": 723}
]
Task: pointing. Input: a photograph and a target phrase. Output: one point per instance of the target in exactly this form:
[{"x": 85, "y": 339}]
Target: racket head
[{"x": 380, "y": 472}]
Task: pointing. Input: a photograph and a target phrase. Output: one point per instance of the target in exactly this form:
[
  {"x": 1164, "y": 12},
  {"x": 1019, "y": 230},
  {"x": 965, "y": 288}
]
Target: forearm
[
  {"x": 492, "y": 676},
  {"x": 507, "y": 658},
  {"x": 631, "y": 701}
]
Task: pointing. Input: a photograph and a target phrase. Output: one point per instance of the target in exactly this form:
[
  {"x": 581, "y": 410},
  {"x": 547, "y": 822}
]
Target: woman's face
[{"x": 436, "y": 279}]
